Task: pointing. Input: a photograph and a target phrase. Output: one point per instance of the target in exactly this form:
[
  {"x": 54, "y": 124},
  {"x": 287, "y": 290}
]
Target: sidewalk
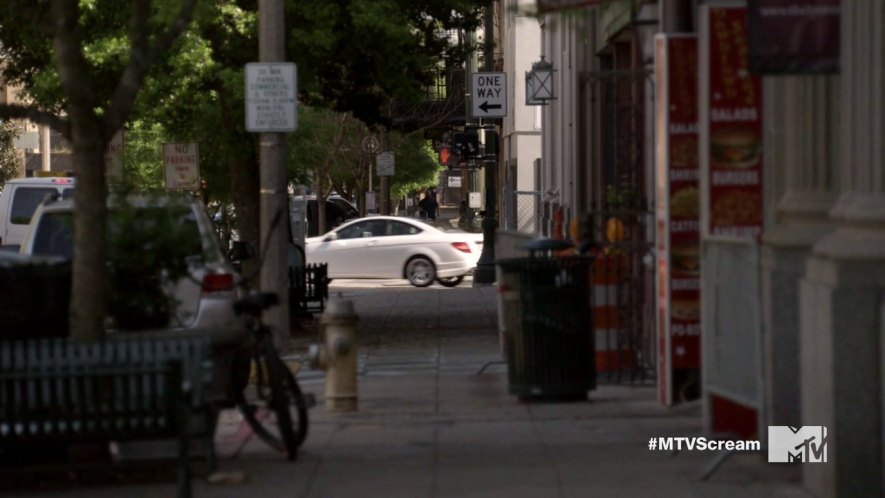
[{"x": 429, "y": 426}]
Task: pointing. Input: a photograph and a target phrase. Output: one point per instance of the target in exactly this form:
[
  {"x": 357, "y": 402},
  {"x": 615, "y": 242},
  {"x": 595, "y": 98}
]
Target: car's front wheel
[
  {"x": 450, "y": 281},
  {"x": 420, "y": 271}
]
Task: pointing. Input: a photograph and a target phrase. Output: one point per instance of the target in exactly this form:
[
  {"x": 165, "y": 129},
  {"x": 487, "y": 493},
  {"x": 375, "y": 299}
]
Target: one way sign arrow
[
  {"x": 485, "y": 106},
  {"x": 489, "y": 95}
]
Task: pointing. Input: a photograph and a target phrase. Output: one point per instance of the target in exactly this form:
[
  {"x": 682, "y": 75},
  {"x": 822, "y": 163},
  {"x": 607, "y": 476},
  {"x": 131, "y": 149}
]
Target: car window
[
  {"x": 349, "y": 211},
  {"x": 400, "y": 228},
  {"x": 67, "y": 193},
  {"x": 25, "y": 202},
  {"x": 365, "y": 228},
  {"x": 55, "y": 235}
]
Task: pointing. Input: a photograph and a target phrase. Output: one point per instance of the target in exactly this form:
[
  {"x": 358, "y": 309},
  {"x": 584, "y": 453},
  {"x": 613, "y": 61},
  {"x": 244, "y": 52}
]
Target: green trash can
[{"x": 548, "y": 324}]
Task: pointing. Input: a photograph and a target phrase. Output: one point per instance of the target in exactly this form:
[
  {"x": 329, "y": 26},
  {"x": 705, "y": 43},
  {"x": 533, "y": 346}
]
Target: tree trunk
[
  {"x": 88, "y": 291},
  {"x": 245, "y": 181},
  {"x": 321, "y": 204},
  {"x": 245, "y": 178}
]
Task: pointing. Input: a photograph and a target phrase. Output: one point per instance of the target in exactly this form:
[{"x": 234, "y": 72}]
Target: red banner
[
  {"x": 735, "y": 129},
  {"x": 684, "y": 200}
]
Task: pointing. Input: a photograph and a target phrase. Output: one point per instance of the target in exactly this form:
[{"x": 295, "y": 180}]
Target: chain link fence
[{"x": 522, "y": 210}]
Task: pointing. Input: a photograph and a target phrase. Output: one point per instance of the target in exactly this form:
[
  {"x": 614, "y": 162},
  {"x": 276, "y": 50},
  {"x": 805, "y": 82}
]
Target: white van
[{"x": 19, "y": 200}]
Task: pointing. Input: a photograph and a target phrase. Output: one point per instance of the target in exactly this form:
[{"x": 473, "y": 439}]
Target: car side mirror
[
  {"x": 241, "y": 251},
  {"x": 332, "y": 236}
]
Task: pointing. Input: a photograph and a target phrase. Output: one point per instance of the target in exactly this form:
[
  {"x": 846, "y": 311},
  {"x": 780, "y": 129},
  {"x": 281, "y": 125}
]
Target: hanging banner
[
  {"x": 731, "y": 138},
  {"x": 730, "y": 108},
  {"x": 793, "y": 36},
  {"x": 677, "y": 213}
]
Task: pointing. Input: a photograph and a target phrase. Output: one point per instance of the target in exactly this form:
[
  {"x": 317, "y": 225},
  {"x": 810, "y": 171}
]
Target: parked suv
[
  {"x": 205, "y": 297},
  {"x": 18, "y": 201},
  {"x": 338, "y": 210}
]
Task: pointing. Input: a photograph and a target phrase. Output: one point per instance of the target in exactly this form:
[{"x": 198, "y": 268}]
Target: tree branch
[
  {"x": 15, "y": 111},
  {"x": 141, "y": 58},
  {"x": 73, "y": 70}
]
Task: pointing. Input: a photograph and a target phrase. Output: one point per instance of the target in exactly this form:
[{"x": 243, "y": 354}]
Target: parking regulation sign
[
  {"x": 271, "y": 91},
  {"x": 488, "y": 93}
]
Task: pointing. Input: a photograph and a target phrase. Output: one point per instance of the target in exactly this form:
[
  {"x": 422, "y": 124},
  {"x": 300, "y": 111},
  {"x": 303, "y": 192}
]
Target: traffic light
[
  {"x": 445, "y": 155},
  {"x": 490, "y": 142},
  {"x": 466, "y": 143}
]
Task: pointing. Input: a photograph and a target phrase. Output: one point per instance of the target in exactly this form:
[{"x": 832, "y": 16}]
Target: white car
[
  {"x": 19, "y": 200},
  {"x": 395, "y": 247},
  {"x": 205, "y": 299}
]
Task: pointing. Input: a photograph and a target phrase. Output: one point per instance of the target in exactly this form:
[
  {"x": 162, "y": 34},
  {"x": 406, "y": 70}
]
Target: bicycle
[{"x": 275, "y": 391}]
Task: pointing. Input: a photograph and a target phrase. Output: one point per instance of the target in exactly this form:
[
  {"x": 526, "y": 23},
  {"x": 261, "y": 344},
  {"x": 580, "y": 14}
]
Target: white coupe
[{"x": 396, "y": 247}]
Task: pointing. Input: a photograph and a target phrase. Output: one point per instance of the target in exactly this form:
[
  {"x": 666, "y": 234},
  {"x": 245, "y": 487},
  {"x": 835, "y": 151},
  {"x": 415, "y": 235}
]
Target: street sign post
[
  {"x": 271, "y": 92},
  {"x": 384, "y": 164},
  {"x": 489, "y": 95}
]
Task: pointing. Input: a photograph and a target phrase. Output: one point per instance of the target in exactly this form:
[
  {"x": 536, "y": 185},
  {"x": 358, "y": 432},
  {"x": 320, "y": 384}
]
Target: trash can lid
[{"x": 546, "y": 245}]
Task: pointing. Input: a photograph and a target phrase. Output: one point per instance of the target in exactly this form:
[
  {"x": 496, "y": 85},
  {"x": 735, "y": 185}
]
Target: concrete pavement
[{"x": 429, "y": 426}]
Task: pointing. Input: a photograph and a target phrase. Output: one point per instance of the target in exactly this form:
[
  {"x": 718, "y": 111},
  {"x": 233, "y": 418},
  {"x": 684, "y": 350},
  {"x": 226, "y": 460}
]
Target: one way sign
[{"x": 488, "y": 95}]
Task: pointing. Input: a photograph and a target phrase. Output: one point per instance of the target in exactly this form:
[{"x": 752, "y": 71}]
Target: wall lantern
[
  {"x": 539, "y": 83},
  {"x": 646, "y": 25}
]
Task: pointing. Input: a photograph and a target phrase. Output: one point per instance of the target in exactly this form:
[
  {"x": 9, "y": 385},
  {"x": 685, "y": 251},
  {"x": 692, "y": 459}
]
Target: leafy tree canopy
[{"x": 9, "y": 159}]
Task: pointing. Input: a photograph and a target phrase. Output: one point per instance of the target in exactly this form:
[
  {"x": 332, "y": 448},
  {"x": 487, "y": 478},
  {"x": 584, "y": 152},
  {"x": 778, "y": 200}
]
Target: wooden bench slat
[{"x": 120, "y": 389}]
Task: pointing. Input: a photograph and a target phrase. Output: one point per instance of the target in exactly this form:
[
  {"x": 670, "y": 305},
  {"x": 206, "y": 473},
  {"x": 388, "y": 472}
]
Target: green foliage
[
  {"x": 149, "y": 250},
  {"x": 143, "y": 158},
  {"x": 358, "y": 55},
  {"x": 9, "y": 159},
  {"x": 353, "y": 56},
  {"x": 329, "y": 144},
  {"x": 416, "y": 166}
]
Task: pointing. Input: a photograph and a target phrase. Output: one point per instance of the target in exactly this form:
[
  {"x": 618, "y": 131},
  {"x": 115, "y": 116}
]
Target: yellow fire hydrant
[{"x": 337, "y": 355}]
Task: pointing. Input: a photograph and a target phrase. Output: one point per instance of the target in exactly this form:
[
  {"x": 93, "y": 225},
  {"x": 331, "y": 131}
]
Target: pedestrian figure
[{"x": 429, "y": 205}]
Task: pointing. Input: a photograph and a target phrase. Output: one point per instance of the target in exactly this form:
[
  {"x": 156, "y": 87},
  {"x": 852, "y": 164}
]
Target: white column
[
  {"x": 841, "y": 295},
  {"x": 45, "y": 149},
  {"x": 801, "y": 133}
]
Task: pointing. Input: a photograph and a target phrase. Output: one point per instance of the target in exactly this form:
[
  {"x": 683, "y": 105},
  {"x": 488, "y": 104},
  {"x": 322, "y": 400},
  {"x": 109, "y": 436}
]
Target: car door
[
  {"x": 347, "y": 252},
  {"x": 401, "y": 240}
]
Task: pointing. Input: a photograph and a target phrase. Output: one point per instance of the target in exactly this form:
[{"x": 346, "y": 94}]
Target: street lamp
[{"x": 539, "y": 83}]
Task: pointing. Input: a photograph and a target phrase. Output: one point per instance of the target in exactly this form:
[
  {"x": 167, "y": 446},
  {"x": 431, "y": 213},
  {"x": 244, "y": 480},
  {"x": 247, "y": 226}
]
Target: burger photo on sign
[
  {"x": 734, "y": 148},
  {"x": 685, "y": 259}
]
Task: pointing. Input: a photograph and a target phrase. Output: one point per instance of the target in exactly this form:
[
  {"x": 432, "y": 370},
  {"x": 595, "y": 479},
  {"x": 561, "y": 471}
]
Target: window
[
  {"x": 25, "y": 202},
  {"x": 55, "y": 235},
  {"x": 365, "y": 228},
  {"x": 400, "y": 228}
]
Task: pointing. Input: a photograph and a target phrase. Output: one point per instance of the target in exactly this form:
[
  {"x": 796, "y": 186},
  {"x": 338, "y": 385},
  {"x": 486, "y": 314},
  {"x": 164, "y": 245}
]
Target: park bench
[{"x": 126, "y": 388}]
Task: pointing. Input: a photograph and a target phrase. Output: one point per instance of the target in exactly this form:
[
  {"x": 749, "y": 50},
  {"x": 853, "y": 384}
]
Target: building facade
[{"x": 809, "y": 349}]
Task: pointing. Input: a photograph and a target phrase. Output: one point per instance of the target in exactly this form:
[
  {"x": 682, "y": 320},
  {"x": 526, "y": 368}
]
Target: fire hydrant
[{"x": 337, "y": 355}]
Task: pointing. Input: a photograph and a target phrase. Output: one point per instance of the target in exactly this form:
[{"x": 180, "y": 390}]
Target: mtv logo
[{"x": 797, "y": 444}]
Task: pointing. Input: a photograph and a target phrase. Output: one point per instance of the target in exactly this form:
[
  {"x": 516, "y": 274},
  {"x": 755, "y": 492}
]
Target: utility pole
[
  {"x": 485, "y": 268},
  {"x": 274, "y": 201}
]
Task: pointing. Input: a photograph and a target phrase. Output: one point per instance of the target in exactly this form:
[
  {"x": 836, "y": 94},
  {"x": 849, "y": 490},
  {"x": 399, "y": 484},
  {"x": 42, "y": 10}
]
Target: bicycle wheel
[{"x": 274, "y": 407}]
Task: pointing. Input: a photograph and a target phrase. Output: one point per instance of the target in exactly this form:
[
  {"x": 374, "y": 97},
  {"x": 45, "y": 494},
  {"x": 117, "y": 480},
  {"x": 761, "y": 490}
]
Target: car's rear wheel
[
  {"x": 450, "y": 281},
  {"x": 420, "y": 271}
]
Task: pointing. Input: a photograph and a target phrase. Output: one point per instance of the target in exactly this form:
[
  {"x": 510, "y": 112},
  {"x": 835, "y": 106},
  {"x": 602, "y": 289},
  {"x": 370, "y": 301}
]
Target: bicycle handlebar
[{"x": 256, "y": 302}]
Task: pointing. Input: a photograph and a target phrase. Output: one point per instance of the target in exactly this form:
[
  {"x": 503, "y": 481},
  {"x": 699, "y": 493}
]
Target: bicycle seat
[{"x": 256, "y": 302}]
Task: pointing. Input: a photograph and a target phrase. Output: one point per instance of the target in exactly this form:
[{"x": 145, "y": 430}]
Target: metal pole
[
  {"x": 485, "y": 268},
  {"x": 273, "y": 182}
]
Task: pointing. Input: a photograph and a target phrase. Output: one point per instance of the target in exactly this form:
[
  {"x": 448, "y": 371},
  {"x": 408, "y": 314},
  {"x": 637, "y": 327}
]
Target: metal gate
[
  {"x": 620, "y": 225},
  {"x": 622, "y": 299}
]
